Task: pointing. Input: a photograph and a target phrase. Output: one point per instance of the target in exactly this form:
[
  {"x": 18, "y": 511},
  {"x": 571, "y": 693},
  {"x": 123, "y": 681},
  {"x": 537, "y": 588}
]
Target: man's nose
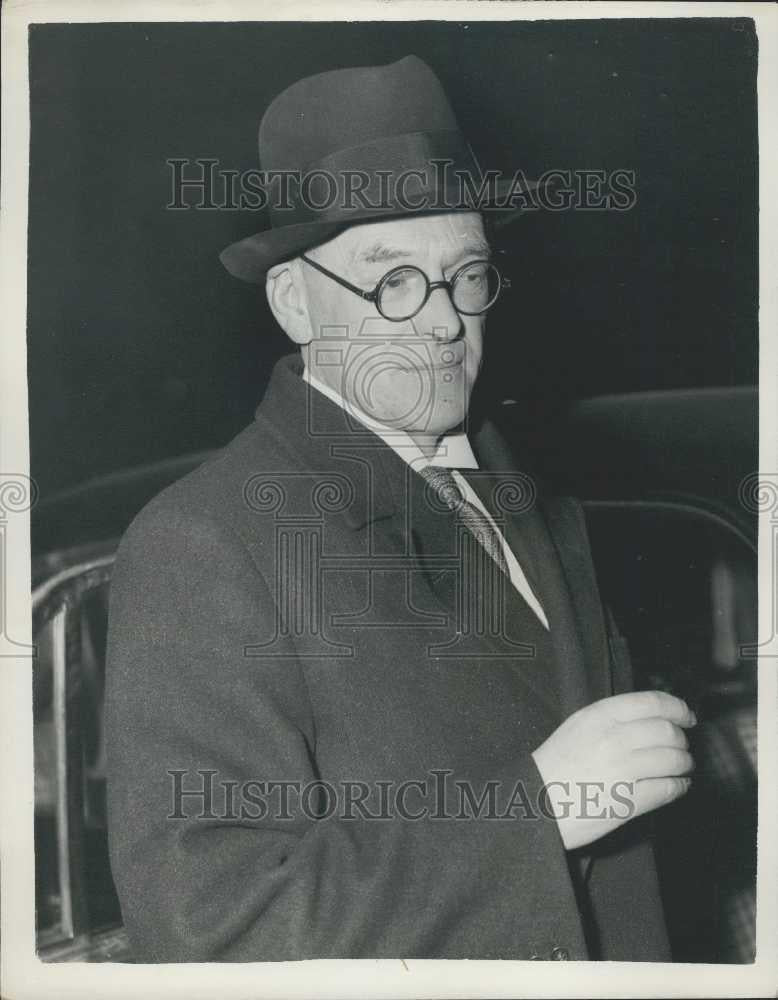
[{"x": 439, "y": 319}]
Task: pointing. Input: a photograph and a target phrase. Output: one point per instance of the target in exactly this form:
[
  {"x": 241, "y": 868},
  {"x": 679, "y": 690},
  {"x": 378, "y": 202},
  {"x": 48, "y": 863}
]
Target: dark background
[{"x": 141, "y": 346}]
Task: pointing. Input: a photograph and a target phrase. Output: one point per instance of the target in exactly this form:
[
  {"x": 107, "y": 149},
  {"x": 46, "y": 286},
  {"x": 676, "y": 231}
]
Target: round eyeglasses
[{"x": 404, "y": 291}]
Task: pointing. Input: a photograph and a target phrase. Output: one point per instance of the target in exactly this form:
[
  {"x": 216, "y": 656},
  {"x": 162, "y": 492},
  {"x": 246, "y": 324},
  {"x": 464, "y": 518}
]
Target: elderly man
[{"x": 361, "y": 698}]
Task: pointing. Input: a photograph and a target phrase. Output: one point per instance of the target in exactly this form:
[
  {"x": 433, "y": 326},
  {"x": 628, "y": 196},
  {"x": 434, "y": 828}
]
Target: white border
[{"x": 23, "y": 975}]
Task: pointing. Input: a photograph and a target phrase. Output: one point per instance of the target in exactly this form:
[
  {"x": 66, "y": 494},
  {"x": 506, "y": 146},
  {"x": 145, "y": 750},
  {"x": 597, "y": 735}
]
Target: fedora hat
[{"x": 359, "y": 144}]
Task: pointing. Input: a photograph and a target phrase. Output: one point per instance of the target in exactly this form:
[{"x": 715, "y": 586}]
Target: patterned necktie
[{"x": 443, "y": 484}]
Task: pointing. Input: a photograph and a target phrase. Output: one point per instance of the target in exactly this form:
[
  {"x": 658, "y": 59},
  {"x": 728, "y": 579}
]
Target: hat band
[{"x": 411, "y": 172}]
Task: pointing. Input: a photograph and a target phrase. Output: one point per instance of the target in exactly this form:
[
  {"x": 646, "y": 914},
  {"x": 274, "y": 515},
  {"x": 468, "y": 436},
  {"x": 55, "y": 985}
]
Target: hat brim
[{"x": 250, "y": 258}]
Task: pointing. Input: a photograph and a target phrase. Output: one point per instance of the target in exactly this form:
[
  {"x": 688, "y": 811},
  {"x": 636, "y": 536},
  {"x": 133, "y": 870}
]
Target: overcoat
[{"x": 321, "y": 707}]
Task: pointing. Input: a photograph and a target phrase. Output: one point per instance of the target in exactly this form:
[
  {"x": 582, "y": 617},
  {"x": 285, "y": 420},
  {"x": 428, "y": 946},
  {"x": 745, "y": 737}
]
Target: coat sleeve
[{"x": 184, "y": 703}]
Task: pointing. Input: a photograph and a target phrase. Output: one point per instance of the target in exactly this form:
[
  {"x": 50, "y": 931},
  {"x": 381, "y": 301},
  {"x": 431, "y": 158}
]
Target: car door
[{"x": 667, "y": 482}]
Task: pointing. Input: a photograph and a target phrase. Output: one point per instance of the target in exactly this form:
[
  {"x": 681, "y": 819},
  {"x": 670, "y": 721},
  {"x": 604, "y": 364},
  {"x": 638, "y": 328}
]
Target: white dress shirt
[{"x": 453, "y": 452}]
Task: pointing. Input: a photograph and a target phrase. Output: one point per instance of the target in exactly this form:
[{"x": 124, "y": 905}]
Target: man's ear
[{"x": 286, "y": 297}]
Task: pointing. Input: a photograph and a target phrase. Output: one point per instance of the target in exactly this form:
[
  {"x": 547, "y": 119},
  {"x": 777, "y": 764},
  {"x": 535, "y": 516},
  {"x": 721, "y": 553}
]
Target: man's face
[{"x": 416, "y": 375}]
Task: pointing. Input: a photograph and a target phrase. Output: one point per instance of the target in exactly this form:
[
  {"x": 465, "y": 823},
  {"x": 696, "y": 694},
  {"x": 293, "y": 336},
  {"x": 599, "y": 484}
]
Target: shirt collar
[{"x": 453, "y": 452}]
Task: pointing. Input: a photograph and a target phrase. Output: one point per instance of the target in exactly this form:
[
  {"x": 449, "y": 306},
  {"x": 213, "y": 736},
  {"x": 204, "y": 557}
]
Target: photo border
[{"x": 23, "y": 974}]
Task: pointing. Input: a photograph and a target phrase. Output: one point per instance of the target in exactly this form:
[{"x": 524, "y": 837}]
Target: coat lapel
[
  {"x": 500, "y": 639},
  {"x": 567, "y": 530},
  {"x": 552, "y": 534}
]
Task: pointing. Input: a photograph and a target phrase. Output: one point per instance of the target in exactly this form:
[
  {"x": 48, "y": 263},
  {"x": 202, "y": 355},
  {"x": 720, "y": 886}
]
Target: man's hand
[{"x": 635, "y": 740}]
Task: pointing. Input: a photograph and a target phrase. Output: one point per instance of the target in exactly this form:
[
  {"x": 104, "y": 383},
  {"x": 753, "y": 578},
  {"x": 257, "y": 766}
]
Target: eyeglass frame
[{"x": 374, "y": 295}]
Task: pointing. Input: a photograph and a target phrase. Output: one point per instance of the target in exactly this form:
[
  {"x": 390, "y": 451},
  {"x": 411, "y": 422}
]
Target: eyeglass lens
[{"x": 404, "y": 291}]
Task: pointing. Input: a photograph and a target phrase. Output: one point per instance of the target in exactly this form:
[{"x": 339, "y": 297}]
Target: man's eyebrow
[
  {"x": 380, "y": 252},
  {"x": 477, "y": 248}
]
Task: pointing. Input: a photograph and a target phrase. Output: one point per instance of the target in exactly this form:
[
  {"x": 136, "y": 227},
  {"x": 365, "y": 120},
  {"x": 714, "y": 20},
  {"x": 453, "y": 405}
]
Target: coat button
[{"x": 560, "y": 954}]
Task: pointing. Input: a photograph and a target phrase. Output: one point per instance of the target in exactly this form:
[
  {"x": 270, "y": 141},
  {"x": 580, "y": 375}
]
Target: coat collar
[
  {"x": 317, "y": 430},
  {"x": 292, "y": 403},
  {"x": 453, "y": 451}
]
